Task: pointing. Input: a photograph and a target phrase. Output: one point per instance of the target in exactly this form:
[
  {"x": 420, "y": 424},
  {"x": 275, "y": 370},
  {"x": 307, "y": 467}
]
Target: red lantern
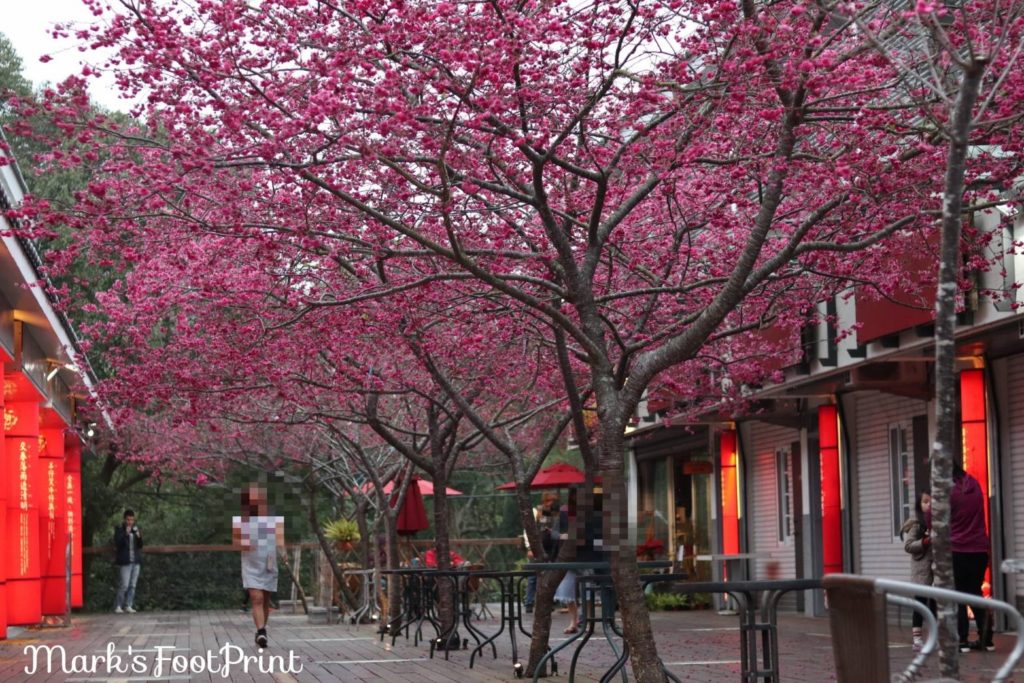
[
  {"x": 3, "y": 530},
  {"x": 3, "y": 569},
  {"x": 52, "y": 526},
  {"x": 974, "y": 418},
  {"x": 21, "y": 441},
  {"x": 73, "y": 512},
  {"x": 831, "y": 490},
  {"x": 730, "y": 493}
]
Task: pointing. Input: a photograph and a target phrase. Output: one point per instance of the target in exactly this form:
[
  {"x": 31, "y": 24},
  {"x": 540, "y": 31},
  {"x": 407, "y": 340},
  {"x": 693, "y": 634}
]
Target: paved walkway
[{"x": 697, "y": 646}]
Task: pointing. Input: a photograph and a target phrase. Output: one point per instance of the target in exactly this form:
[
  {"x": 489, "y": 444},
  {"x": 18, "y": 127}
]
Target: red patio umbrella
[
  {"x": 426, "y": 487},
  {"x": 554, "y": 477},
  {"x": 412, "y": 515}
]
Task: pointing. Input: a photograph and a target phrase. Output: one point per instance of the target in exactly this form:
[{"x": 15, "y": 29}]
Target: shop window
[
  {"x": 784, "y": 491},
  {"x": 901, "y": 465}
]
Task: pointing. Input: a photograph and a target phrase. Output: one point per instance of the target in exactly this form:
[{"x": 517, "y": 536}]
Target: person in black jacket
[{"x": 128, "y": 558}]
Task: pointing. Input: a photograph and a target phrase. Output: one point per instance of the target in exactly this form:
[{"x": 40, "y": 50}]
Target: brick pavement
[{"x": 697, "y": 646}]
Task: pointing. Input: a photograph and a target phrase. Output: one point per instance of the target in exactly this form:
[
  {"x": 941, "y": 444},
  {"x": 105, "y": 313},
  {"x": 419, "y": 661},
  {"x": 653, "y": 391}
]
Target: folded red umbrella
[
  {"x": 554, "y": 477},
  {"x": 412, "y": 515}
]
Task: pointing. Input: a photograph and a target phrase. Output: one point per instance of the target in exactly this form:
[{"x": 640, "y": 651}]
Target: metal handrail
[{"x": 906, "y": 589}]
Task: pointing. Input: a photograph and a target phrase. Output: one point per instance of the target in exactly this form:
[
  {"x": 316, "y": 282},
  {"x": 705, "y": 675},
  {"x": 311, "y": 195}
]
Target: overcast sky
[{"x": 27, "y": 23}]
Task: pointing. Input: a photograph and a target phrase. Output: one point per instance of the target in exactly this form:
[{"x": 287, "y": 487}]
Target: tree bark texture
[{"x": 944, "y": 449}]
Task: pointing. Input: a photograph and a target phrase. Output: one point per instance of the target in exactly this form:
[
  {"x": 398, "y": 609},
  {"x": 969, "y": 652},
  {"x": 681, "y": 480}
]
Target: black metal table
[
  {"x": 759, "y": 607},
  {"x": 511, "y": 614},
  {"x": 462, "y": 604},
  {"x": 417, "y": 604},
  {"x": 601, "y": 584}
]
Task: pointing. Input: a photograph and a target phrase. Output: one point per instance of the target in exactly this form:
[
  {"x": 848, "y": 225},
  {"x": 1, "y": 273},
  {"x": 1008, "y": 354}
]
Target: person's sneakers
[
  {"x": 261, "y": 638},
  {"x": 529, "y": 609},
  {"x": 965, "y": 647},
  {"x": 990, "y": 647},
  {"x": 918, "y": 643},
  {"x": 130, "y": 610},
  {"x": 118, "y": 610}
]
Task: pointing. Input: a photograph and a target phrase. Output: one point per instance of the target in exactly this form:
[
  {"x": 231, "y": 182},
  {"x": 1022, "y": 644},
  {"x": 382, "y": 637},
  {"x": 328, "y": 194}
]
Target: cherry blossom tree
[
  {"x": 650, "y": 183},
  {"x": 961, "y": 69}
]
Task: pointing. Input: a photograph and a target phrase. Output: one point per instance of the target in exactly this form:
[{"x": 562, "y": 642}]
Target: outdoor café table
[
  {"x": 417, "y": 603},
  {"x": 511, "y": 613},
  {"x": 603, "y": 584},
  {"x": 753, "y": 620},
  {"x": 369, "y": 602},
  {"x": 463, "y": 611}
]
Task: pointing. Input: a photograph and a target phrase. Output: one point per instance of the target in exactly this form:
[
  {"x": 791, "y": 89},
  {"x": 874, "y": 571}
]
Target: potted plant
[{"x": 344, "y": 532}]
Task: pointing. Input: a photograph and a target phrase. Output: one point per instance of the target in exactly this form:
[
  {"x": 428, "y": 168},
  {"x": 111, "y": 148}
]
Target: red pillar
[
  {"x": 52, "y": 525},
  {"x": 974, "y": 433},
  {"x": 730, "y": 493},
  {"x": 21, "y": 445},
  {"x": 73, "y": 512},
  {"x": 831, "y": 490}
]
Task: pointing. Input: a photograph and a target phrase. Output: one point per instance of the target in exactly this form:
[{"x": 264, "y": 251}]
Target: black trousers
[
  {"x": 917, "y": 619},
  {"x": 968, "y": 575}
]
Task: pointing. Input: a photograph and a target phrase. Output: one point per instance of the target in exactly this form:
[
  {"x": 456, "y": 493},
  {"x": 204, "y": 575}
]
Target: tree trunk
[
  {"x": 325, "y": 547},
  {"x": 446, "y": 608},
  {"x": 543, "y": 608},
  {"x": 364, "y": 532},
  {"x": 394, "y": 607},
  {"x": 636, "y": 621},
  {"x": 945, "y": 357}
]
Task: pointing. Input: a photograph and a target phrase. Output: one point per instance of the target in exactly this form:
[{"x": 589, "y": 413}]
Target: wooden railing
[{"x": 476, "y": 543}]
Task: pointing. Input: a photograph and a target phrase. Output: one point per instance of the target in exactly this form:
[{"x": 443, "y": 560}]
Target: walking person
[
  {"x": 258, "y": 535},
  {"x": 128, "y": 558},
  {"x": 969, "y": 540},
  {"x": 917, "y": 541}
]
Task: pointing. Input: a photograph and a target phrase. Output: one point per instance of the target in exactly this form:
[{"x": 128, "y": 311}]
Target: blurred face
[
  {"x": 129, "y": 521},
  {"x": 926, "y": 502},
  {"x": 255, "y": 501}
]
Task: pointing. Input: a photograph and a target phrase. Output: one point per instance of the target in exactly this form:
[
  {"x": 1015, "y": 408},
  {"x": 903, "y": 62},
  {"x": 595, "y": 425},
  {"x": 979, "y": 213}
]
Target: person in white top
[{"x": 258, "y": 536}]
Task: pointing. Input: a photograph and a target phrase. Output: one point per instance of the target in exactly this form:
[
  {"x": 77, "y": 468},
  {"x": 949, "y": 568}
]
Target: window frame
[
  {"x": 901, "y": 488},
  {"x": 784, "y": 526}
]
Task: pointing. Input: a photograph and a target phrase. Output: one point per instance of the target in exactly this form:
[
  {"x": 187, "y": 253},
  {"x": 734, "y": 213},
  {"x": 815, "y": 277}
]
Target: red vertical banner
[
  {"x": 729, "y": 459},
  {"x": 831, "y": 490},
  {"x": 52, "y": 525},
  {"x": 73, "y": 512},
  {"x": 21, "y": 445},
  {"x": 974, "y": 435},
  {"x": 4, "y": 485}
]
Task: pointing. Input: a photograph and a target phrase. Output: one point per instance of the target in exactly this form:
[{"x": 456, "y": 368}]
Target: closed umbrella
[{"x": 412, "y": 515}]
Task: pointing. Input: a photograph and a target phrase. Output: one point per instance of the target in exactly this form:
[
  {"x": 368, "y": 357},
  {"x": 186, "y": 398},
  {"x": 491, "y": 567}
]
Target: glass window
[
  {"x": 901, "y": 475},
  {"x": 784, "y": 491}
]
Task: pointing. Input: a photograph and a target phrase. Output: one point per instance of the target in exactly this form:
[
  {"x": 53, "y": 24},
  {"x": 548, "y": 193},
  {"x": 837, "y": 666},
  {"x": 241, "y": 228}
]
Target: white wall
[
  {"x": 880, "y": 553},
  {"x": 1013, "y": 425},
  {"x": 760, "y": 442}
]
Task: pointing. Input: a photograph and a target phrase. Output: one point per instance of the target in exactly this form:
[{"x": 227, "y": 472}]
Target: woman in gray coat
[{"x": 916, "y": 536}]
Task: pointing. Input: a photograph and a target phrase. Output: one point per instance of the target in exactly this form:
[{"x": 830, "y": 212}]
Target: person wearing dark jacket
[
  {"x": 970, "y": 544},
  {"x": 128, "y": 558}
]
